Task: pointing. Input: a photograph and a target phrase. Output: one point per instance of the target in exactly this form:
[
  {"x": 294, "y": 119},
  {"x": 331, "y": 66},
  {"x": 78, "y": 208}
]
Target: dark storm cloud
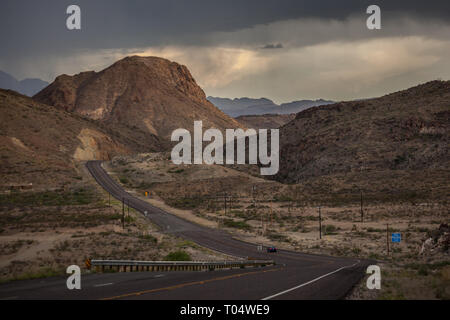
[
  {"x": 327, "y": 50},
  {"x": 39, "y": 26},
  {"x": 273, "y": 46}
]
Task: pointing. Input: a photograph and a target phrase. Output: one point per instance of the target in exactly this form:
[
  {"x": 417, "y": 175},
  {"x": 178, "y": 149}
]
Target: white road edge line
[
  {"x": 103, "y": 285},
  {"x": 309, "y": 282}
]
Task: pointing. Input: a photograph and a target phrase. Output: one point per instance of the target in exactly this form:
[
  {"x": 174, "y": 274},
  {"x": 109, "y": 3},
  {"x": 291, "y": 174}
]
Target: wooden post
[
  {"x": 271, "y": 213},
  {"x": 362, "y": 212},
  {"x": 123, "y": 213},
  {"x": 320, "y": 224},
  {"x": 225, "y": 202},
  {"x": 387, "y": 237}
]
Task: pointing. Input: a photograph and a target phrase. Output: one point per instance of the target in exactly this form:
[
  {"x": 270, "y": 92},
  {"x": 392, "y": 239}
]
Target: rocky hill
[
  {"x": 395, "y": 142},
  {"x": 152, "y": 95},
  {"x": 40, "y": 143},
  {"x": 266, "y": 121}
]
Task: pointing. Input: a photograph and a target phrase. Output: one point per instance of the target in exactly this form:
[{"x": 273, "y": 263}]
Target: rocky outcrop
[
  {"x": 149, "y": 94},
  {"x": 406, "y": 130},
  {"x": 438, "y": 242}
]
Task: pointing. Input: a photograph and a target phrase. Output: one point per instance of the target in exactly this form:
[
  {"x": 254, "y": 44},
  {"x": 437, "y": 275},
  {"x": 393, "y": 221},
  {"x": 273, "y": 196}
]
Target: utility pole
[
  {"x": 253, "y": 195},
  {"x": 362, "y": 212},
  {"x": 225, "y": 202},
  {"x": 256, "y": 210},
  {"x": 271, "y": 213},
  {"x": 262, "y": 225},
  {"x": 320, "y": 224},
  {"x": 387, "y": 237},
  {"x": 123, "y": 213},
  {"x": 360, "y": 190}
]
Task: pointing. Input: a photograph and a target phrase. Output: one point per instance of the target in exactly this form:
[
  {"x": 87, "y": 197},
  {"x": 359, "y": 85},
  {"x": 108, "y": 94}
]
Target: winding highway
[{"x": 295, "y": 275}]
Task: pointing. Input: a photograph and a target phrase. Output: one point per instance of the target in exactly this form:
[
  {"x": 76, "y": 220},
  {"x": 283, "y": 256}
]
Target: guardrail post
[{"x": 138, "y": 266}]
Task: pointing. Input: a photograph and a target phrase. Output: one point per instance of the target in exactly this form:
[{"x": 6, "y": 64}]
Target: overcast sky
[{"x": 283, "y": 50}]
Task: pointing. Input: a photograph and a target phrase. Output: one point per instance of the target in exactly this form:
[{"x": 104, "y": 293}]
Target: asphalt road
[{"x": 295, "y": 275}]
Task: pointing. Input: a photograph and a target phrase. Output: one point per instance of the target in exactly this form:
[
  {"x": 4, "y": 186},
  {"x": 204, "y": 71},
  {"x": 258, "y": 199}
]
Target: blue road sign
[{"x": 396, "y": 237}]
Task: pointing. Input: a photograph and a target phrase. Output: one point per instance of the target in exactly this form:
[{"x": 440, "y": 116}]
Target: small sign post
[
  {"x": 396, "y": 237},
  {"x": 87, "y": 262}
]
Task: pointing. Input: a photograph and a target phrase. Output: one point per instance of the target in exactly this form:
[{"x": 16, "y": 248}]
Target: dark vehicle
[{"x": 271, "y": 249}]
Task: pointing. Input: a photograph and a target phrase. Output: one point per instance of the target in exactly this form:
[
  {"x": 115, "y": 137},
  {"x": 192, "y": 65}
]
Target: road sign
[
  {"x": 87, "y": 262},
  {"x": 396, "y": 237}
]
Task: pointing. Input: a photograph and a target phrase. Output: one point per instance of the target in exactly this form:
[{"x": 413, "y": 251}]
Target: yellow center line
[{"x": 188, "y": 284}]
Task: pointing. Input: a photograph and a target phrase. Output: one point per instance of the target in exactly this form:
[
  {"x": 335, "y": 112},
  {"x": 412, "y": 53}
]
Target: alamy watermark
[
  {"x": 74, "y": 280},
  {"x": 213, "y": 153},
  {"x": 374, "y": 20},
  {"x": 374, "y": 280},
  {"x": 73, "y": 22}
]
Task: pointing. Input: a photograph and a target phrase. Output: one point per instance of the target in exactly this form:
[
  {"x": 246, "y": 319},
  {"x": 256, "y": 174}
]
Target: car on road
[{"x": 271, "y": 249}]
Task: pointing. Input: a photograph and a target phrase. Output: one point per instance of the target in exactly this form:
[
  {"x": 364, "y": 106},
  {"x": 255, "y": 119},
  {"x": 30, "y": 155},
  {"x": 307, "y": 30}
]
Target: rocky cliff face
[
  {"x": 149, "y": 94},
  {"x": 402, "y": 138}
]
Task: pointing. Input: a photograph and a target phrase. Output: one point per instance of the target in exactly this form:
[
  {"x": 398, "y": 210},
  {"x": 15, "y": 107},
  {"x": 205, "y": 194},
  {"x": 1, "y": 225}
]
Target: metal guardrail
[{"x": 132, "y": 265}]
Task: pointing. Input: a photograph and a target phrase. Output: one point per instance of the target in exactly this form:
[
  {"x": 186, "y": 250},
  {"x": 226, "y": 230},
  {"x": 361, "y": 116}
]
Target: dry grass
[
  {"x": 43, "y": 233},
  {"x": 286, "y": 217}
]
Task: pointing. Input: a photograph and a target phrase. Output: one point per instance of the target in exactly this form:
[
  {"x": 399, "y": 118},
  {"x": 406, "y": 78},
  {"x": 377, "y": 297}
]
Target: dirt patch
[
  {"x": 41, "y": 234},
  {"x": 270, "y": 213}
]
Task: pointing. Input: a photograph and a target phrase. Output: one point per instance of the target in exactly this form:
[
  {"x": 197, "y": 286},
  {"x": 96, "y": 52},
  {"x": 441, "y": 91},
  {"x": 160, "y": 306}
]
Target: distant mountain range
[
  {"x": 248, "y": 106},
  {"x": 28, "y": 87}
]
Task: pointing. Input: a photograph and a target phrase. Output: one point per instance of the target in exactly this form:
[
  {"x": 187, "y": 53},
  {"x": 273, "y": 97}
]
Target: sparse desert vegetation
[
  {"x": 287, "y": 216},
  {"x": 42, "y": 233}
]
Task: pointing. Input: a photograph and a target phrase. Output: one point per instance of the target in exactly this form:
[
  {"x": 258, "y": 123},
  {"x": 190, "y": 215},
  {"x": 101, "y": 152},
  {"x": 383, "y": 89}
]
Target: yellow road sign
[{"x": 87, "y": 262}]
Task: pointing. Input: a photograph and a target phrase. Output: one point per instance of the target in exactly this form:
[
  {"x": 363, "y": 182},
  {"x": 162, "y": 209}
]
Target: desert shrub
[
  {"x": 329, "y": 229},
  {"x": 49, "y": 198},
  {"x": 186, "y": 203},
  {"x": 282, "y": 198},
  {"x": 277, "y": 237},
  {"x": 236, "y": 224},
  {"x": 179, "y": 255},
  {"x": 148, "y": 238},
  {"x": 174, "y": 170},
  {"x": 370, "y": 229}
]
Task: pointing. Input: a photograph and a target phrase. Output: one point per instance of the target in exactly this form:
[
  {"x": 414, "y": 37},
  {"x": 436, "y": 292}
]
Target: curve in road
[
  {"x": 295, "y": 276},
  {"x": 302, "y": 275}
]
